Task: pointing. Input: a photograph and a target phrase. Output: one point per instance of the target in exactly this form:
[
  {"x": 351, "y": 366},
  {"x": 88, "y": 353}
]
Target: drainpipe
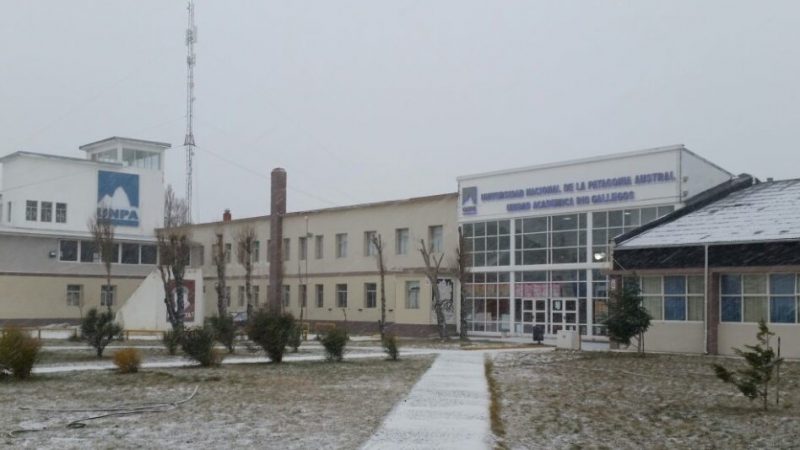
[{"x": 705, "y": 299}]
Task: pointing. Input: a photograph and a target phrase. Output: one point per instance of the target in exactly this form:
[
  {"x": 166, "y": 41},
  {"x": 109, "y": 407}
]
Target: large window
[
  {"x": 369, "y": 245},
  {"x": 141, "y": 159},
  {"x": 550, "y": 240},
  {"x": 606, "y": 225},
  {"x": 341, "y": 296},
  {"x": 74, "y": 294},
  {"x": 61, "y": 212},
  {"x": 125, "y": 253},
  {"x": 108, "y": 295},
  {"x": 130, "y": 253},
  {"x": 412, "y": 294},
  {"x": 319, "y": 252},
  {"x": 489, "y": 243},
  {"x": 488, "y": 302},
  {"x": 47, "y": 212},
  {"x": 753, "y": 297},
  {"x": 370, "y": 295},
  {"x": 68, "y": 250},
  {"x": 436, "y": 238},
  {"x": 674, "y": 298},
  {"x": 287, "y": 294},
  {"x": 341, "y": 245},
  {"x": 319, "y": 295},
  {"x": 150, "y": 254},
  {"x": 31, "y": 210},
  {"x": 302, "y": 248},
  {"x": 401, "y": 241}
]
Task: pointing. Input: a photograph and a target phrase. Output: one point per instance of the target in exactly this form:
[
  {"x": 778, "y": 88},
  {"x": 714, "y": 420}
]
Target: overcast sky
[{"x": 375, "y": 100}]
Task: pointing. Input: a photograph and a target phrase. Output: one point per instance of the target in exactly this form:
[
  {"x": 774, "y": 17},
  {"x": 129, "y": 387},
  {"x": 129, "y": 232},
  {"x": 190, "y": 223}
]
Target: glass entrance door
[{"x": 563, "y": 314}]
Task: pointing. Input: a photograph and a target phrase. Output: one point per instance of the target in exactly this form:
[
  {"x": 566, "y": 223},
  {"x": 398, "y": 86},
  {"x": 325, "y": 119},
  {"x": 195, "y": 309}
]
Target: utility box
[
  {"x": 568, "y": 339},
  {"x": 538, "y": 333}
]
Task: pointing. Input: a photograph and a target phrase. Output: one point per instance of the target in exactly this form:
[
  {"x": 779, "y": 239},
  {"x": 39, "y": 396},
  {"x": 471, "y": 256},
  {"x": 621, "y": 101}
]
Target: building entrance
[{"x": 553, "y": 314}]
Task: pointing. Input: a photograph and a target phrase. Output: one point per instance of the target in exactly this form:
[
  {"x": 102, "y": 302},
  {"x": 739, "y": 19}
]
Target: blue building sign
[{"x": 118, "y": 198}]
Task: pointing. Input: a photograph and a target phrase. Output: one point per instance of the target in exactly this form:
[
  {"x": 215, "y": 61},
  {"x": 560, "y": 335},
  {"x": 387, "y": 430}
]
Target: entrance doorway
[{"x": 553, "y": 314}]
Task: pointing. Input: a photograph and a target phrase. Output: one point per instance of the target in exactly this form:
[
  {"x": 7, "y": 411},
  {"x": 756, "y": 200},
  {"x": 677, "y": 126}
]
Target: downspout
[{"x": 705, "y": 299}]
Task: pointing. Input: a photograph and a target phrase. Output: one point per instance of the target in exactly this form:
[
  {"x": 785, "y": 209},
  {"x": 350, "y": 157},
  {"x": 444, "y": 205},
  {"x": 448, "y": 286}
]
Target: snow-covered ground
[{"x": 568, "y": 399}]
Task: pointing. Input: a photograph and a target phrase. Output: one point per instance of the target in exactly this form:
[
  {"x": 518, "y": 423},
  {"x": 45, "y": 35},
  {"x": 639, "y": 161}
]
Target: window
[
  {"x": 68, "y": 250},
  {"x": 88, "y": 252},
  {"x": 31, "y": 210},
  {"x": 61, "y": 212},
  {"x": 256, "y": 251},
  {"x": 228, "y": 296},
  {"x": 341, "y": 245},
  {"x": 606, "y": 225},
  {"x": 436, "y": 239},
  {"x": 401, "y": 241},
  {"x": 302, "y": 248},
  {"x": 369, "y": 246},
  {"x": 141, "y": 159},
  {"x": 341, "y": 296},
  {"x": 287, "y": 249},
  {"x": 150, "y": 254},
  {"x": 753, "y": 297},
  {"x": 255, "y": 292},
  {"x": 319, "y": 295},
  {"x": 108, "y": 296},
  {"x": 412, "y": 294},
  {"x": 303, "y": 295},
  {"x": 47, "y": 212},
  {"x": 487, "y": 298},
  {"x": 286, "y": 294},
  {"x": 74, "y": 294},
  {"x": 228, "y": 253},
  {"x": 242, "y": 296},
  {"x": 675, "y": 298},
  {"x": 370, "y": 295},
  {"x": 130, "y": 253},
  {"x": 318, "y": 241},
  {"x": 489, "y": 243}
]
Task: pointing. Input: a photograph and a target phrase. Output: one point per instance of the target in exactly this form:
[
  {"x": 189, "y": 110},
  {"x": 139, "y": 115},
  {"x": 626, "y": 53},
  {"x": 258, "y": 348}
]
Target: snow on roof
[{"x": 763, "y": 212}]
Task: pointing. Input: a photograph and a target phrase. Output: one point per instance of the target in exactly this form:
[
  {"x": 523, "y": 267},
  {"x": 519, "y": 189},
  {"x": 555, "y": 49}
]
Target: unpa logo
[
  {"x": 118, "y": 198},
  {"x": 469, "y": 201}
]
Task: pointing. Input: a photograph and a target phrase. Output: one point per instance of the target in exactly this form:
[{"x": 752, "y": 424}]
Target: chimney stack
[
  {"x": 276, "y": 212},
  {"x": 226, "y": 216}
]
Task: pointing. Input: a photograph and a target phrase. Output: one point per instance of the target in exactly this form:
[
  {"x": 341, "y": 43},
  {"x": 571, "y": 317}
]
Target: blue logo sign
[
  {"x": 469, "y": 201},
  {"x": 118, "y": 198}
]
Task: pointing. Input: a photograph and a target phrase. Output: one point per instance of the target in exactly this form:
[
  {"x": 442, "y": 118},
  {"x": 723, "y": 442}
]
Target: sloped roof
[{"x": 763, "y": 212}]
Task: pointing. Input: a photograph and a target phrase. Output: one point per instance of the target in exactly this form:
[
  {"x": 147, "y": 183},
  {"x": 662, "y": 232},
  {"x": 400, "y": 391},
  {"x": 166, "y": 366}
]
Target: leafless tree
[
  {"x": 433, "y": 266},
  {"x": 174, "y": 250},
  {"x": 220, "y": 259},
  {"x": 377, "y": 242},
  {"x": 245, "y": 248},
  {"x": 102, "y": 230},
  {"x": 463, "y": 262}
]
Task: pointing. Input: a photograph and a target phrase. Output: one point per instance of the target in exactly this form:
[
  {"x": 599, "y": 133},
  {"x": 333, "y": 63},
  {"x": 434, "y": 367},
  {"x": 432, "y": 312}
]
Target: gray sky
[{"x": 374, "y": 100}]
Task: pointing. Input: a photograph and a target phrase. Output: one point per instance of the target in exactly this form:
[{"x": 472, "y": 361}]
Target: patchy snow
[
  {"x": 447, "y": 408},
  {"x": 762, "y": 212}
]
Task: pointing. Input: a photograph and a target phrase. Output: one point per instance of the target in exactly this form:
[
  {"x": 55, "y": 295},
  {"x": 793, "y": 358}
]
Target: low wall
[
  {"x": 740, "y": 334},
  {"x": 677, "y": 337}
]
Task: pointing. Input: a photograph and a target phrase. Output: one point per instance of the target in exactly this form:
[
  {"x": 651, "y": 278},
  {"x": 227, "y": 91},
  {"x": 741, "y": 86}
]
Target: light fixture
[{"x": 599, "y": 256}]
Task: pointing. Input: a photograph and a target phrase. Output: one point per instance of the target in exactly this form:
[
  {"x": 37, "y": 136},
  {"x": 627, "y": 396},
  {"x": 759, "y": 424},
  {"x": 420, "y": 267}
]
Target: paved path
[{"x": 447, "y": 408}]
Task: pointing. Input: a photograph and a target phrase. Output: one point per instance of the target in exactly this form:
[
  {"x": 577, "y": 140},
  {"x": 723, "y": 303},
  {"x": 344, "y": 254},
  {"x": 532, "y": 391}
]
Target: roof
[
  {"x": 649, "y": 151},
  {"x": 17, "y": 154},
  {"x": 450, "y": 195},
  {"x": 763, "y": 212},
  {"x": 131, "y": 140}
]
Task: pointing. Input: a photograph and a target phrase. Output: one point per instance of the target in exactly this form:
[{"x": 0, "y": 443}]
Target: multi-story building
[
  {"x": 49, "y": 268},
  {"x": 331, "y": 268},
  {"x": 539, "y": 236}
]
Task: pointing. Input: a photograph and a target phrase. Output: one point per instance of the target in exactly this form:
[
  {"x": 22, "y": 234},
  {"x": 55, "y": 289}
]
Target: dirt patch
[
  {"x": 612, "y": 400},
  {"x": 291, "y": 405}
]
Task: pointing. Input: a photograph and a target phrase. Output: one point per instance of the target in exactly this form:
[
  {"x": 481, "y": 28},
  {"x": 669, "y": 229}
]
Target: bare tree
[
  {"x": 245, "y": 248},
  {"x": 174, "y": 249},
  {"x": 433, "y": 266},
  {"x": 463, "y": 262},
  {"x": 378, "y": 243},
  {"x": 102, "y": 230},
  {"x": 220, "y": 259}
]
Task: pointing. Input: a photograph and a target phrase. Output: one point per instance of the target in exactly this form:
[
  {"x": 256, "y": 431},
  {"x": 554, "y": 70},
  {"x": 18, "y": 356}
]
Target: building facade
[
  {"x": 330, "y": 268},
  {"x": 539, "y": 236},
  {"x": 49, "y": 269}
]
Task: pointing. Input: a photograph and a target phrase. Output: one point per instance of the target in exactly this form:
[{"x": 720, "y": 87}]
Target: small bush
[
  {"x": 18, "y": 352},
  {"x": 198, "y": 344},
  {"x": 99, "y": 329},
  {"x": 296, "y": 337},
  {"x": 224, "y": 331},
  {"x": 172, "y": 340},
  {"x": 334, "y": 343},
  {"x": 390, "y": 347},
  {"x": 127, "y": 360},
  {"x": 271, "y": 331}
]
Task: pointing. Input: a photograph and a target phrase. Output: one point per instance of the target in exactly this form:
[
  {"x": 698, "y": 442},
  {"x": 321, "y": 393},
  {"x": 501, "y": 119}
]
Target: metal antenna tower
[{"x": 188, "y": 142}]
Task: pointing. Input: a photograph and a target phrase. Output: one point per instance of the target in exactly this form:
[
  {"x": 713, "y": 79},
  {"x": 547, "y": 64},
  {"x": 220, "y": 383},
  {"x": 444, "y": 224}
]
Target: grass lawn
[
  {"x": 290, "y": 405},
  {"x": 614, "y": 400}
]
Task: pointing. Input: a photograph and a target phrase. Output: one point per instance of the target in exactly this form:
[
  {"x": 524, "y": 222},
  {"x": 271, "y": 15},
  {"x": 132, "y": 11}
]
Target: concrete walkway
[{"x": 447, "y": 408}]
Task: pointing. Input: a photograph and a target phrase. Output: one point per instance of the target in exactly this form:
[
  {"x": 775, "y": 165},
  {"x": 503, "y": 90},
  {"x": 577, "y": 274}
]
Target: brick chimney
[
  {"x": 276, "y": 212},
  {"x": 226, "y": 216}
]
